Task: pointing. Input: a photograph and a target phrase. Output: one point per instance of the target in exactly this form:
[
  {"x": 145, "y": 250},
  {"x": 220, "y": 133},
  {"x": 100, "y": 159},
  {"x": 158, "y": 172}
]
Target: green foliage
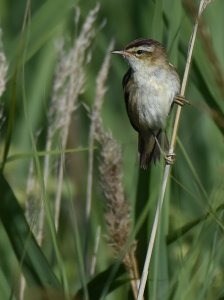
[
  {"x": 36, "y": 268},
  {"x": 188, "y": 257}
]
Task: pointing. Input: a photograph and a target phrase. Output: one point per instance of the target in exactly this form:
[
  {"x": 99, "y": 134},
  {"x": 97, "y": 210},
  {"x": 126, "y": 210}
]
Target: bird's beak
[{"x": 120, "y": 52}]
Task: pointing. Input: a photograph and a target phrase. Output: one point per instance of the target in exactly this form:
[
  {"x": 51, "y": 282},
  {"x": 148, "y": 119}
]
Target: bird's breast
[{"x": 150, "y": 99}]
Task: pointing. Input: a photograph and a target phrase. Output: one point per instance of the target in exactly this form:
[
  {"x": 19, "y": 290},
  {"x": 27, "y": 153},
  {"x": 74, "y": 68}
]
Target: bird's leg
[
  {"x": 159, "y": 146},
  {"x": 180, "y": 100},
  {"x": 169, "y": 157}
]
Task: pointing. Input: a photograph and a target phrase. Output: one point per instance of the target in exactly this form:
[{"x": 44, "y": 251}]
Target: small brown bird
[{"x": 150, "y": 86}]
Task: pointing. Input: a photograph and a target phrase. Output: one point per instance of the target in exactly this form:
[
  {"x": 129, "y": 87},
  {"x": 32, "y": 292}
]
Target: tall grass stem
[{"x": 144, "y": 277}]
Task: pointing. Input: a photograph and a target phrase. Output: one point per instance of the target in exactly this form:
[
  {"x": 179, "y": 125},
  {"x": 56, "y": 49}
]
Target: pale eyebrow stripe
[{"x": 145, "y": 48}]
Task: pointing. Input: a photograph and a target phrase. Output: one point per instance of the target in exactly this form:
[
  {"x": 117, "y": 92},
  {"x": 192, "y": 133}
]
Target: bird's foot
[
  {"x": 170, "y": 158},
  {"x": 180, "y": 100}
]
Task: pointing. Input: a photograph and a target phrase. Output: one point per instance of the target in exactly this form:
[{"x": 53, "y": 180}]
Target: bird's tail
[{"x": 148, "y": 148}]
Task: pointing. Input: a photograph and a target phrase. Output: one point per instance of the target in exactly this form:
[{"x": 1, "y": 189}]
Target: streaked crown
[{"x": 143, "y": 43}]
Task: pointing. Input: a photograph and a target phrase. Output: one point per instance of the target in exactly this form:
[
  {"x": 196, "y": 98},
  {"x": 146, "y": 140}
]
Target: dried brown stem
[
  {"x": 3, "y": 67},
  {"x": 117, "y": 207},
  {"x": 144, "y": 277},
  {"x": 68, "y": 85}
]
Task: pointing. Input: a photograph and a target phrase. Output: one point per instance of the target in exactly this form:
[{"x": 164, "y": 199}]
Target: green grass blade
[
  {"x": 142, "y": 197},
  {"x": 35, "y": 267},
  {"x": 157, "y": 22},
  {"x": 6, "y": 290},
  {"x": 97, "y": 284},
  {"x": 39, "y": 30}
]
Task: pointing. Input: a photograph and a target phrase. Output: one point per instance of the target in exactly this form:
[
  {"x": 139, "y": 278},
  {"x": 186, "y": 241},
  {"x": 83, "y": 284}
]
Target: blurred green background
[{"x": 188, "y": 262}]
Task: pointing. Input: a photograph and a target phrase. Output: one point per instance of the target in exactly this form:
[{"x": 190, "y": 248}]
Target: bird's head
[{"x": 142, "y": 53}]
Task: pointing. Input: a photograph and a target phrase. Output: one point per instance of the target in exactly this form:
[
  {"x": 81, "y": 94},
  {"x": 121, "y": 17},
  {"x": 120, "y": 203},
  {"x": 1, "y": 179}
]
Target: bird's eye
[{"x": 139, "y": 52}]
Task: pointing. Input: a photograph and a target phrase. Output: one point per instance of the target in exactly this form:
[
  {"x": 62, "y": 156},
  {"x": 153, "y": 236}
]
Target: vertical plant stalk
[
  {"x": 30, "y": 210},
  {"x": 68, "y": 85},
  {"x": 155, "y": 225},
  {"x": 96, "y": 247},
  {"x": 3, "y": 74},
  {"x": 3, "y": 66},
  {"x": 81, "y": 45},
  {"x": 117, "y": 214},
  {"x": 99, "y": 98},
  {"x": 117, "y": 207}
]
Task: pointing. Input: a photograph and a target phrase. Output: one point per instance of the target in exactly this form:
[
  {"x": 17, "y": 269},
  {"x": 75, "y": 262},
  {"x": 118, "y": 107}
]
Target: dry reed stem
[
  {"x": 3, "y": 66},
  {"x": 31, "y": 208},
  {"x": 99, "y": 98},
  {"x": 95, "y": 251},
  {"x": 68, "y": 85},
  {"x": 144, "y": 276},
  {"x": 118, "y": 209},
  {"x": 75, "y": 88},
  {"x": 3, "y": 73}
]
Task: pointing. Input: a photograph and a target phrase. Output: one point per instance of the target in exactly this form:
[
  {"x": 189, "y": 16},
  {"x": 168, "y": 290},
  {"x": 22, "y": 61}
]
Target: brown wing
[{"x": 125, "y": 84}]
